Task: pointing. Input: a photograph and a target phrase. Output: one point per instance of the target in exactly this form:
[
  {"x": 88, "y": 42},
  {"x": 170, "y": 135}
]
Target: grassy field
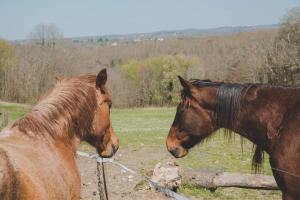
[{"x": 149, "y": 127}]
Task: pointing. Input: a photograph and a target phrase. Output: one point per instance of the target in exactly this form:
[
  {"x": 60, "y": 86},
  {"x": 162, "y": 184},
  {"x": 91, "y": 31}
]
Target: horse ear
[
  {"x": 101, "y": 78},
  {"x": 187, "y": 86}
]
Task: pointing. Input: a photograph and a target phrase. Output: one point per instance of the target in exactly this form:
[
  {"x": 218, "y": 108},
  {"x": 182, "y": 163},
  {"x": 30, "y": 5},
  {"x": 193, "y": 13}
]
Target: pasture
[{"x": 142, "y": 133}]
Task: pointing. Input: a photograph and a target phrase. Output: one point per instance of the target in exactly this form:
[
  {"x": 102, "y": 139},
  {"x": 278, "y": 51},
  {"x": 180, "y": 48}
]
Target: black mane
[
  {"x": 229, "y": 97},
  {"x": 228, "y": 104},
  {"x": 204, "y": 83}
]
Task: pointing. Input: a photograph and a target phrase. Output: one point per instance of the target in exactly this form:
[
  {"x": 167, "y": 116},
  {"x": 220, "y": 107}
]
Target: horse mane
[
  {"x": 64, "y": 111},
  {"x": 228, "y": 104}
]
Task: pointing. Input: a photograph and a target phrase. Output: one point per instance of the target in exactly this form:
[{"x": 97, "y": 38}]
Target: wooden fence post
[
  {"x": 102, "y": 187},
  {"x": 4, "y": 118}
]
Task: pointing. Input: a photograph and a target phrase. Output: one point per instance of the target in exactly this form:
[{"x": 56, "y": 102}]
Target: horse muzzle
[{"x": 175, "y": 148}]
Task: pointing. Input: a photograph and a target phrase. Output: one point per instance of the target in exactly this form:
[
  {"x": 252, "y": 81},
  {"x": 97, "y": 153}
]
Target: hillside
[{"x": 160, "y": 35}]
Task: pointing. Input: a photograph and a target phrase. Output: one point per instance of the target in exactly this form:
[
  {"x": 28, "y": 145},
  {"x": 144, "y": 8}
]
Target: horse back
[{"x": 31, "y": 169}]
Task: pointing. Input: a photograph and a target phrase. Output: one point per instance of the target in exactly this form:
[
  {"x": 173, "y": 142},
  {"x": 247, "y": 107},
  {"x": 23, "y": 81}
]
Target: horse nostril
[
  {"x": 176, "y": 152},
  {"x": 115, "y": 148}
]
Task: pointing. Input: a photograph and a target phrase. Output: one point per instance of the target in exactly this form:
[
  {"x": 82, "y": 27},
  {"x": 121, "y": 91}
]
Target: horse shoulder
[
  {"x": 286, "y": 155},
  {"x": 8, "y": 177},
  {"x": 35, "y": 169}
]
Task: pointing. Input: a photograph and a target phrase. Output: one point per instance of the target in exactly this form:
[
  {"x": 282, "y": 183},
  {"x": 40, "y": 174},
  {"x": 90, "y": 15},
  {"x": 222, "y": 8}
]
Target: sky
[{"x": 101, "y": 17}]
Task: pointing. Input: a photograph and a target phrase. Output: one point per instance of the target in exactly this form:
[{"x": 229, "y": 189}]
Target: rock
[{"x": 167, "y": 175}]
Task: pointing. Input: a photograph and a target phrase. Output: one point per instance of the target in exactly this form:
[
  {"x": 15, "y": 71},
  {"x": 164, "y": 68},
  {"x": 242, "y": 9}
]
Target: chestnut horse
[
  {"x": 37, "y": 153},
  {"x": 269, "y": 116}
]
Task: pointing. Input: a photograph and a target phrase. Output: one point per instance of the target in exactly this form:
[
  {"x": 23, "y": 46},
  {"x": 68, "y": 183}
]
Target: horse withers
[
  {"x": 37, "y": 153},
  {"x": 267, "y": 115}
]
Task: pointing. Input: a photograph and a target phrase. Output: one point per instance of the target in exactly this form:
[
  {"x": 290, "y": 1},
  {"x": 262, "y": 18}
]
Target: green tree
[{"x": 155, "y": 79}]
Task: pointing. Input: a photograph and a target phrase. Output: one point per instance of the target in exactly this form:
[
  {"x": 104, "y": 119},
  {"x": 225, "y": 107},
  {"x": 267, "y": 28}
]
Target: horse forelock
[{"x": 66, "y": 110}]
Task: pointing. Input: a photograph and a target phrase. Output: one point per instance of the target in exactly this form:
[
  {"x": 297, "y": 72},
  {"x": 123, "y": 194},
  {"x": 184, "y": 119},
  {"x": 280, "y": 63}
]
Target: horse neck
[
  {"x": 64, "y": 115},
  {"x": 262, "y": 113}
]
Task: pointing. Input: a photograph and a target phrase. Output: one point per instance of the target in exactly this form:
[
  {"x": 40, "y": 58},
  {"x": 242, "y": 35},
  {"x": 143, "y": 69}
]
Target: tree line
[{"x": 145, "y": 73}]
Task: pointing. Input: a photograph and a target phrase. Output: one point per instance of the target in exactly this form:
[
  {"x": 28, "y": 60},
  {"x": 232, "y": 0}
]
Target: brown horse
[
  {"x": 37, "y": 153},
  {"x": 269, "y": 116}
]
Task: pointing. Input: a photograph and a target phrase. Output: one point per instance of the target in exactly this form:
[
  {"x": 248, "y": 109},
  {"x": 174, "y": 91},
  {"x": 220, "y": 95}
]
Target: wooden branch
[{"x": 213, "y": 180}]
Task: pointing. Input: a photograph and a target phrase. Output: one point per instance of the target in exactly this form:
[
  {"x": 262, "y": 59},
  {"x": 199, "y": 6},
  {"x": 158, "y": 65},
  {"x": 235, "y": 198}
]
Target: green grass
[
  {"x": 148, "y": 127},
  {"x": 15, "y": 111},
  {"x": 218, "y": 154}
]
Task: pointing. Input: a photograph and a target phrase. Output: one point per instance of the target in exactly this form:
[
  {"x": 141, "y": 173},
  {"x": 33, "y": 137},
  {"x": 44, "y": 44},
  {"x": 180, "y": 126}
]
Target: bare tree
[
  {"x": 53, "y": 34},
  {"x": 284, "y": 57},
  {"x": 39, "y": 34},
  {"x": 7, "y": 61},
  {"x": 46, "y": 35}
]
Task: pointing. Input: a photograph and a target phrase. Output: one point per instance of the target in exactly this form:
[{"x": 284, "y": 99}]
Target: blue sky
[{"x": 100, "y": 17}]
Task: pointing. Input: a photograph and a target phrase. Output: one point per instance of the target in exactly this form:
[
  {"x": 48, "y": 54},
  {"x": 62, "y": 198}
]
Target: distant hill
[
  {"x": 161, "y": 35},
  {"x": 226, "y": 30}
]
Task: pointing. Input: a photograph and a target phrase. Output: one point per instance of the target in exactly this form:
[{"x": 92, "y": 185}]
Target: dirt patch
[{"x": 121, "y": 184}]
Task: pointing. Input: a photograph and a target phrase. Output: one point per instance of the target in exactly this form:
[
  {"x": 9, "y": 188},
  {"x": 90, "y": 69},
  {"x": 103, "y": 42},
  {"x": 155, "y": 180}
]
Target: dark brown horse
[
  {"x": 269, "y": 116},
  {"x": 37, "y": 153}
]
